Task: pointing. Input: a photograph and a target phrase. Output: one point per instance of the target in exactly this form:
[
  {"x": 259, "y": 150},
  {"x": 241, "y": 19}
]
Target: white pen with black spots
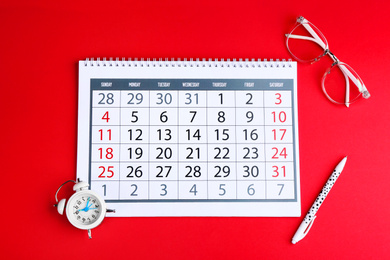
[{"x": 311, "y": 215}]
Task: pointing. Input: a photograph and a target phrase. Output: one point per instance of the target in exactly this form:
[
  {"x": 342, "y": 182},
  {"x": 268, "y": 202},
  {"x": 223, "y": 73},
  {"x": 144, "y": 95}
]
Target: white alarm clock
[{"x": 85, "y": 209}]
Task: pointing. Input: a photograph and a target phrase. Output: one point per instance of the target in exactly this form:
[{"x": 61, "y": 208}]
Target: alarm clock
[{"x": 85, "y": 209}]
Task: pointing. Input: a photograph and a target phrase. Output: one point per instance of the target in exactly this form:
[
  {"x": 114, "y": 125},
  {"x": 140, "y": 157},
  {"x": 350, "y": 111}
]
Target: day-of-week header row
[{"x": 186, "y": 84}]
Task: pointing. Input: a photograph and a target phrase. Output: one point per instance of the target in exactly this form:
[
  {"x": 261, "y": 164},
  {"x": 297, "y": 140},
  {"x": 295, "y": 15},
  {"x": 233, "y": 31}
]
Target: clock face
[{"x": 85, "y": 210}]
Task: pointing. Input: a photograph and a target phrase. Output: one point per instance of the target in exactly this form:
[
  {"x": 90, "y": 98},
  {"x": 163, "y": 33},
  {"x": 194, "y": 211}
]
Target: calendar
[{"x": 190, "y": 138}]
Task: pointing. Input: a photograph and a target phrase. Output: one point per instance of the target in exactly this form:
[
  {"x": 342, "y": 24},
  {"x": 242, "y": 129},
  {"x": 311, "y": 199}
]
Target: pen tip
[{"x": 342, "y": 163}]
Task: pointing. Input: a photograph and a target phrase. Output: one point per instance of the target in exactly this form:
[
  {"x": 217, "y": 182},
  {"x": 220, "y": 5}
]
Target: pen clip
[{"x": 309, "y": 227}]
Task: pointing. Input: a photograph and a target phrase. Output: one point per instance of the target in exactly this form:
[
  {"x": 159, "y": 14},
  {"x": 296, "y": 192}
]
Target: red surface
[{"x": 41, "y": 44}]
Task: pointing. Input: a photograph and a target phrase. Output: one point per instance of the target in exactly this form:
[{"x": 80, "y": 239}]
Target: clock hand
[
  {"x": 86, "y": 206},
  {"x": 89, "y": 208}
]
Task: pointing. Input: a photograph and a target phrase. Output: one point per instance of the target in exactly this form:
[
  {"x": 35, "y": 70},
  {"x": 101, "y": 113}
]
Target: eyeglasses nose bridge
[{"x": 332, "y": 56}]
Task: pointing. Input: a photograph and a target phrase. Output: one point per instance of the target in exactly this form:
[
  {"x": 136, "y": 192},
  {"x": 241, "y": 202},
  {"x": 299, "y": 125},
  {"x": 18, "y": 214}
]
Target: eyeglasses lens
[
  {"x": 335, "y": 87},
  {"x": 306, "y": 43}
]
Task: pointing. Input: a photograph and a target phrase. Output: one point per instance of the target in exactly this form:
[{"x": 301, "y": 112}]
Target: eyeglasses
[{"x": 307, "y": 44}]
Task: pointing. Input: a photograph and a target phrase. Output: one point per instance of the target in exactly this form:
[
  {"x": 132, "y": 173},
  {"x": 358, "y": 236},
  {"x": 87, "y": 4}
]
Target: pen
[{"x": 311, "y": 215}]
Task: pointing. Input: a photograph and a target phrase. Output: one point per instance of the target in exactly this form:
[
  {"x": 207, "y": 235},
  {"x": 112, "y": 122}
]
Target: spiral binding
[{"x": 240, "y": 63}]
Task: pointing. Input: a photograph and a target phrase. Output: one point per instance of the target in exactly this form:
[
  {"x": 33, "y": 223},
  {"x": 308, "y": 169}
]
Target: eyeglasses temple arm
[
  {"x": 360, "y": 85},
  {"x": 313, "y": 33},
  {"x": 315, "y": 36},
  {"x": 319, "y": 42}
]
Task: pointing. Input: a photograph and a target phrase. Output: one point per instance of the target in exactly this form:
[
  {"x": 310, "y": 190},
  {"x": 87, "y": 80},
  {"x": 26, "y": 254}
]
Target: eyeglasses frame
[{"x": 336, "y": 62}]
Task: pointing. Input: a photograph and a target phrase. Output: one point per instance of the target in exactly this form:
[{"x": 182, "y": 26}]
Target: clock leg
[{"x": 89, "y": 234}]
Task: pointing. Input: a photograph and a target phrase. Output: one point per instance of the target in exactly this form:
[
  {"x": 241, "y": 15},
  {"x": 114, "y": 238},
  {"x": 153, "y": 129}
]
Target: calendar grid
[
  {"x": 178, "y": 129},
  {"x": 149, "y": 143},
  {"x": 207, "y": 143},
  {"x": 119, "y": 152},
  {"x": 265, "y": 151},
  {"x": 260, "y": 167},
  {"x": 295, "y": 145},
  {"x": 235, "y": 139}
]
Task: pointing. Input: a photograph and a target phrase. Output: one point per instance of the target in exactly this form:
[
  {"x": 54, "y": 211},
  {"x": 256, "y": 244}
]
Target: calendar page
[{"x": 169, "y": 138}]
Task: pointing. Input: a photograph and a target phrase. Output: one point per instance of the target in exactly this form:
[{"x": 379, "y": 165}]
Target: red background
[{"x": 41, "y": 44}]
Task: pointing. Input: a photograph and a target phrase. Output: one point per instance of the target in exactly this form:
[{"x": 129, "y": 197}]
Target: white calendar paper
[{"x": 190, "y": 138}]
